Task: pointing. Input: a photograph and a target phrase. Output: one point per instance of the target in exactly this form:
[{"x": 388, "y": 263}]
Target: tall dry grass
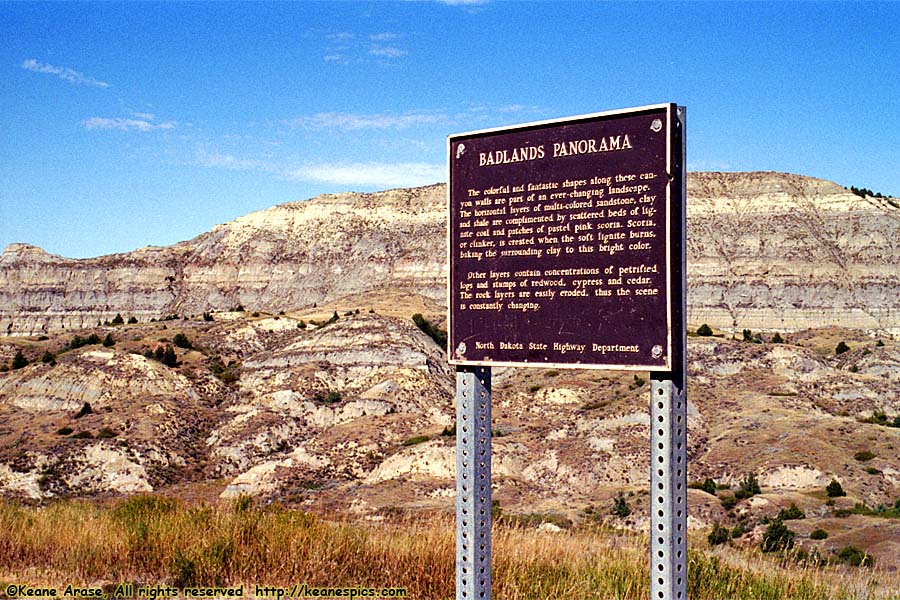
[{"x": 155, "y": 540}]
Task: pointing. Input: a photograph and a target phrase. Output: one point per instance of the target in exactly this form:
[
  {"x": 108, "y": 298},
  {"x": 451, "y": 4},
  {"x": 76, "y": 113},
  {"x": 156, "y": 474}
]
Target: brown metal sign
[{"x": 561, "y": 237}]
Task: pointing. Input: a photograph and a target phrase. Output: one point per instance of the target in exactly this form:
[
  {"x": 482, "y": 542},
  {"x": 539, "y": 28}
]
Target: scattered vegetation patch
[
  {"x": 818, "y": 534},
  {"x": 708, "y": 485},
  {"x": 834, "y": 489},
  {"x": 19, "y": 361},
  {"x": 332, "y": 397},
  {"x": 853, "y": 556},
  {"x": 863, "y": 456},
  {"x": 418, "y": 439},
  {"x": 719, "y": 535},
  {"x": 84, "y": 410},
  {"x": 777, "y": 537},
  {"x": 435, "y": 333},
  {"x": 748, "y": 488},
  {"x": 64, "y": 431},
  {"x": 790, "y": 513},
  {"x": 182, "y": 341},
  {"x": 49, "y": 358},
  {"x": 620, "y": 507}
]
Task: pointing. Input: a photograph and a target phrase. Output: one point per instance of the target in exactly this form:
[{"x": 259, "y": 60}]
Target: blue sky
[{"x": 133, "y": 124}]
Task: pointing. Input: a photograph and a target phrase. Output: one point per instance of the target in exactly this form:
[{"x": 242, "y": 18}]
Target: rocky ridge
[{"x": 765, "y": 250}]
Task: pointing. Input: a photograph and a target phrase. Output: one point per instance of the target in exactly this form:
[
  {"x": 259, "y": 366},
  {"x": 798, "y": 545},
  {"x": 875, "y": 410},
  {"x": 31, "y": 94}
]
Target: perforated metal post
[
  {"x": 668, "y": 413},
  {"x": 668, "y": 492},
  {"x": 473, "y": 483}
]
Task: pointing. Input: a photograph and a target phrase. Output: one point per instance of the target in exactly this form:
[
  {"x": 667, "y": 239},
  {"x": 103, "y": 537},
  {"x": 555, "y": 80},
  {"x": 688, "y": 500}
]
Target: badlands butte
[{"x": 299, "y": 375}]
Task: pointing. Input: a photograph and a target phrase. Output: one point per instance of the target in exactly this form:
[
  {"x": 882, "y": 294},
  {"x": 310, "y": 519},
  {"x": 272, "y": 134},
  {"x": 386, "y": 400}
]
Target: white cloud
[
  {"x": 387, "y": 51},
  {"x": 145, "y": 116},
  {"x": 70, "y": 75},
  {"x": 355, "y": 122},
  {"x": 372, "y": 174},
  {"x": 142, "y": 125},
  {"x": 217, "y": 160},
  {"x": 384, "y": 37}
]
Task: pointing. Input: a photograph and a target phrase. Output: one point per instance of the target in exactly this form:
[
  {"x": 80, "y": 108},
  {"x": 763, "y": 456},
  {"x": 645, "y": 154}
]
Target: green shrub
[
  {"x": 83, "y": 435},
  {"x": 19, "y": 361},
  {"x": 418, "y": 439},
  {"x": 48, "y": 358},
  {"x": 85, "y": 410},
  {"x": 620, "y": 506},
  {"x": 534, "y": 388},
  {"x": 64, "y": 430},
  {"x": 108, "y": 341},
  {"x": 834, "y": 489},
  {"x": 132, "y": 320},
  {"x": 182, "y": 341},
  {"x": 105, "y": 433},
  {"x": 777, "y": 537},
  {"x": 791, "y": 513},
  {"x": 818, "y": 534},
  {"x": 708, "y": 486},
  {"x": 118, "y": 320},
  {"x": 841, "y": 348},
  {"x": 851, "y": 555},
  {"x": 449, "y": 430},
  {"x": 208, "y": 317},
  {"x": 718, "y": 535},
  {"x": 777, "y": 339},
  {"x": 738, "y": 530},
  {"x": 749, "y": 487},
  {"x": 872, "y": 471},
  {"x": 435, "y": 333},
  {"x": 728, "y": 501},
  {"x": 704, "y": 330},
  {"x": 863, "y": 456}
]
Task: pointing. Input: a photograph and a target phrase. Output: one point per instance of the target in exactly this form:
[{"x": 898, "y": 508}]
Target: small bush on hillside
[
  {"x": 841, "y": 348},
  {"x": 704, "y": 330},
  {"x": 435, "y": 333},
  {"x": 851, "y": 555},
  {"x": 620, "y": 506},
  {"x": 777, "y": 537},
  {"x": 19, "y": 361},
  {"x": 749, "y": 487},
  {"x": 182, "y": 341},
  {"x": 718, "y": 535},
  {"x": 818, "y": 534},
  {"x": 418, "y": 439},
  {"x": 863, "y": 456},
  {"x": 834, "y": 489},
  {"x": 791, "y": 513}
]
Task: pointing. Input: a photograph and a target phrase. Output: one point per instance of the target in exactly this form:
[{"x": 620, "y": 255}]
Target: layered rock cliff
[{"x": 766, "y": 251}]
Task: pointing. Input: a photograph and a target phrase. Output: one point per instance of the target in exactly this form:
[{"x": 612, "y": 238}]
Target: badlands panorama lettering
[{"x": 573, "y": 148}]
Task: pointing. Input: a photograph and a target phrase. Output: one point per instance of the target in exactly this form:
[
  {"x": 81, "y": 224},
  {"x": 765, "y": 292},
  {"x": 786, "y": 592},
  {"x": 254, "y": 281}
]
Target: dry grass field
[{"x": 154, "y": 540}]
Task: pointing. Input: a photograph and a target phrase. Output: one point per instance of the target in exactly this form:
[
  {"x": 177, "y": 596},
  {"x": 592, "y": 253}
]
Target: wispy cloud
[
  {"x": 142, "y": 125},
  {"x": 70, "y": 75},
  {"x": 355, "y": 122},
  {"x": 372, "y": 174},
  {"x": 345, "y": 47},
  {"x": 219, "y": 160}
]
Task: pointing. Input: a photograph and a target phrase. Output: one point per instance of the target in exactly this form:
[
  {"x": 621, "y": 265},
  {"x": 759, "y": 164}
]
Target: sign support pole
[
  {"x": 473, "y": 483},
  {"x": 668, "y": 419}
]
